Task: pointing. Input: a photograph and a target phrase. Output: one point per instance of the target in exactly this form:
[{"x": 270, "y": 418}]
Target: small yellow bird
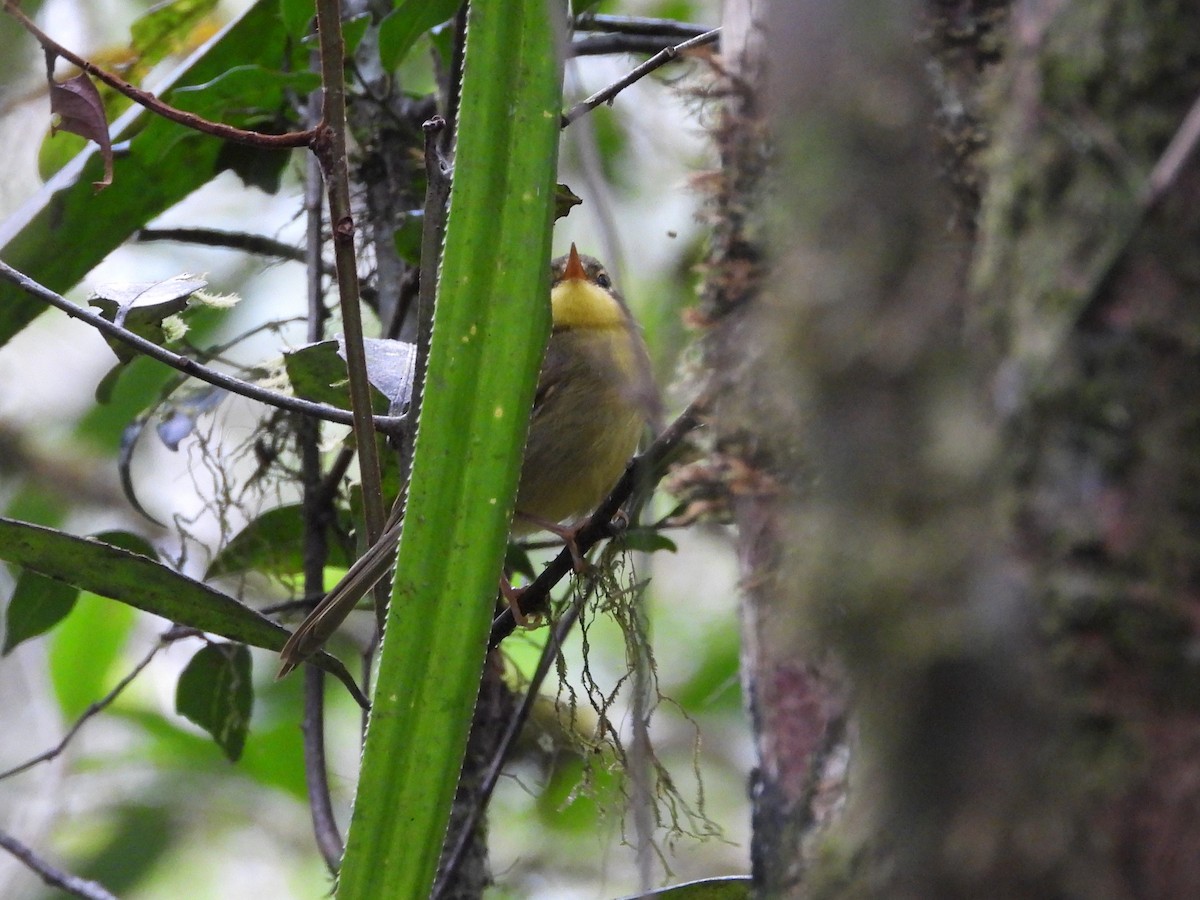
[{"x": 595, "y": 396}]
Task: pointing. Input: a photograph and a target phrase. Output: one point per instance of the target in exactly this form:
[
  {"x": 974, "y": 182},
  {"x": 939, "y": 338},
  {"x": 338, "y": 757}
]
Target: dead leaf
[{"x": 80, "y": 111}]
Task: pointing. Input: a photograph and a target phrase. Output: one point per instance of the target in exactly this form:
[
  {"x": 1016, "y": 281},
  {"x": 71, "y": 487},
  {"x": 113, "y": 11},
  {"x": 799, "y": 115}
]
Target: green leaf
[
  {"x": 254, "y": 167},
  {"x": 256, "y": 92},
  {"x": 37, "y": 605},
  {"x": 647, "y": 540},
  {"x": 84, "y": 651},
  {"x": 297, "y": 16},
  {"x": 63, "y": 231},
  {"x": 731, "y": 887},
  {"x": 127, "y": 540},
  {"x": 402, "y": 26},
  {"x": 164, "y": 29},
  {"x": 407, "y": 238},
  {"x": 318, "y": 372},
  {"x": 216, "y": 693},
  {"x": 273, "y": 756},
  {"x": 484, "y": 361},
  {"x": 146, "y": 584},
  {"x": 354, "y": 30},
  {"x": 274, "y": 544}
]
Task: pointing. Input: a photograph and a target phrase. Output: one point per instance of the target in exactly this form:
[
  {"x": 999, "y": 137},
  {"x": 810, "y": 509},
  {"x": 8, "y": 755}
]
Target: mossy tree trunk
[{"x": 963, "y": 412}]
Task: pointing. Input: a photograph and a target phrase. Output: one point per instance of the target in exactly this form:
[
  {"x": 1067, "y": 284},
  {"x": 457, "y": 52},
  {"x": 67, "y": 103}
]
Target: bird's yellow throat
[{"x": 578, "y": 303}]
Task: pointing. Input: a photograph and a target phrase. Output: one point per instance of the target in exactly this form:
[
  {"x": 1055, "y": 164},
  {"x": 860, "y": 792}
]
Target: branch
[
  {"x": 146, "y": 99},
  {"x": 454, "y": 83},
  {"x": 641, "y": 470},
  {"x": 329, "y": 145},
  {"x": 234, "y": 240},
  {"x": 186, "y": 365},
  {"x": 1161, "y": 178},
  {"x": 657, "y": 61},
  {"x": 1173, "y": 159},
  {"x": 611, "y": 44},
  {"x": 52, "y": 875},
  {"x": 325, "y": 829},
  {"x": 318, "y": 511},
  {"x": 639, "y": 25}
]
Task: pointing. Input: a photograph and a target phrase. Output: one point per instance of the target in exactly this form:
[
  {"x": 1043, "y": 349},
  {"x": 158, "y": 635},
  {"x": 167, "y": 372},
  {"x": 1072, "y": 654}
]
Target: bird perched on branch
[{"x": 595, "y": 396}]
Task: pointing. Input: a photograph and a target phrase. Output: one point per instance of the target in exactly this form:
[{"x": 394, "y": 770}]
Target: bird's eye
[{"x": 603, "y": 280}]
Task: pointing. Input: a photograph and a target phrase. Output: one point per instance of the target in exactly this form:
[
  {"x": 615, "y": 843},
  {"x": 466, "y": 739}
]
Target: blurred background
[{"x": 145, "y": 802}]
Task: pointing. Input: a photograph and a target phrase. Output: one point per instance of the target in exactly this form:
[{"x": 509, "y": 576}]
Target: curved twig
[
  {"x": 384, "y": 424},
  {"x": 148, "y": 100},
  {"x": 92, "y": 710}
]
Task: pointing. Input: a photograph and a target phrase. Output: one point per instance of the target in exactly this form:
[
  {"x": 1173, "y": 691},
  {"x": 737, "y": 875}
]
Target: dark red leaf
[{"x": 80, "y": 110}]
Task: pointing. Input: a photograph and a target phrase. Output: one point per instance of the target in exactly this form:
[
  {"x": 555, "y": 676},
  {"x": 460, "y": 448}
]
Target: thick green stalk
[{"x": 491, "y": 321}]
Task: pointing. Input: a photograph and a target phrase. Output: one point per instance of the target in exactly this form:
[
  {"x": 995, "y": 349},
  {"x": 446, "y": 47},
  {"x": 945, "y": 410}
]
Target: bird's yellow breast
[{"x": 591, "y": 413}]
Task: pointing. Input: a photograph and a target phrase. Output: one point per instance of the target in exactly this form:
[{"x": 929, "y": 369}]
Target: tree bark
[{"x": 959, "y": 423}]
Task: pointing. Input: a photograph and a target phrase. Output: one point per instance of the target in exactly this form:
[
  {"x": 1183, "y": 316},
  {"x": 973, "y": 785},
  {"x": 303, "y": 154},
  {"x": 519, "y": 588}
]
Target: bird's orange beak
[{"x": 574, "y": 270}]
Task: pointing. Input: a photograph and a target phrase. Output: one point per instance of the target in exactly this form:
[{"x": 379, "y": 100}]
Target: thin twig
[
  {"x": 1164, "y": 174},
  {"x": 93, "y": 709},
  {"x": 640, "y": 25},
  {"x": 52, "y": 875},
  {"x": 613, "y": 44},
  {"x": 318, "y": 511},
  {"x": 233, "y": 240},
  {"x": 639, "y": 757},
  {"x": 598, "y": 526},
  {"x": 1173, "y": 159},
  {"x": 320, "y": 803},
  {"x": 146, "y": 99},
  {"x": 337, "y": 471},
  {"x": 657, "y": 61},
  {"x": 385, "y": 424}
]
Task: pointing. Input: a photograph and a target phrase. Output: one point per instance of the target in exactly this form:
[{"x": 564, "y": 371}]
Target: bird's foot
[
  {"x": 512, "y": 596},
  {"x": 568, "y": 534}
]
